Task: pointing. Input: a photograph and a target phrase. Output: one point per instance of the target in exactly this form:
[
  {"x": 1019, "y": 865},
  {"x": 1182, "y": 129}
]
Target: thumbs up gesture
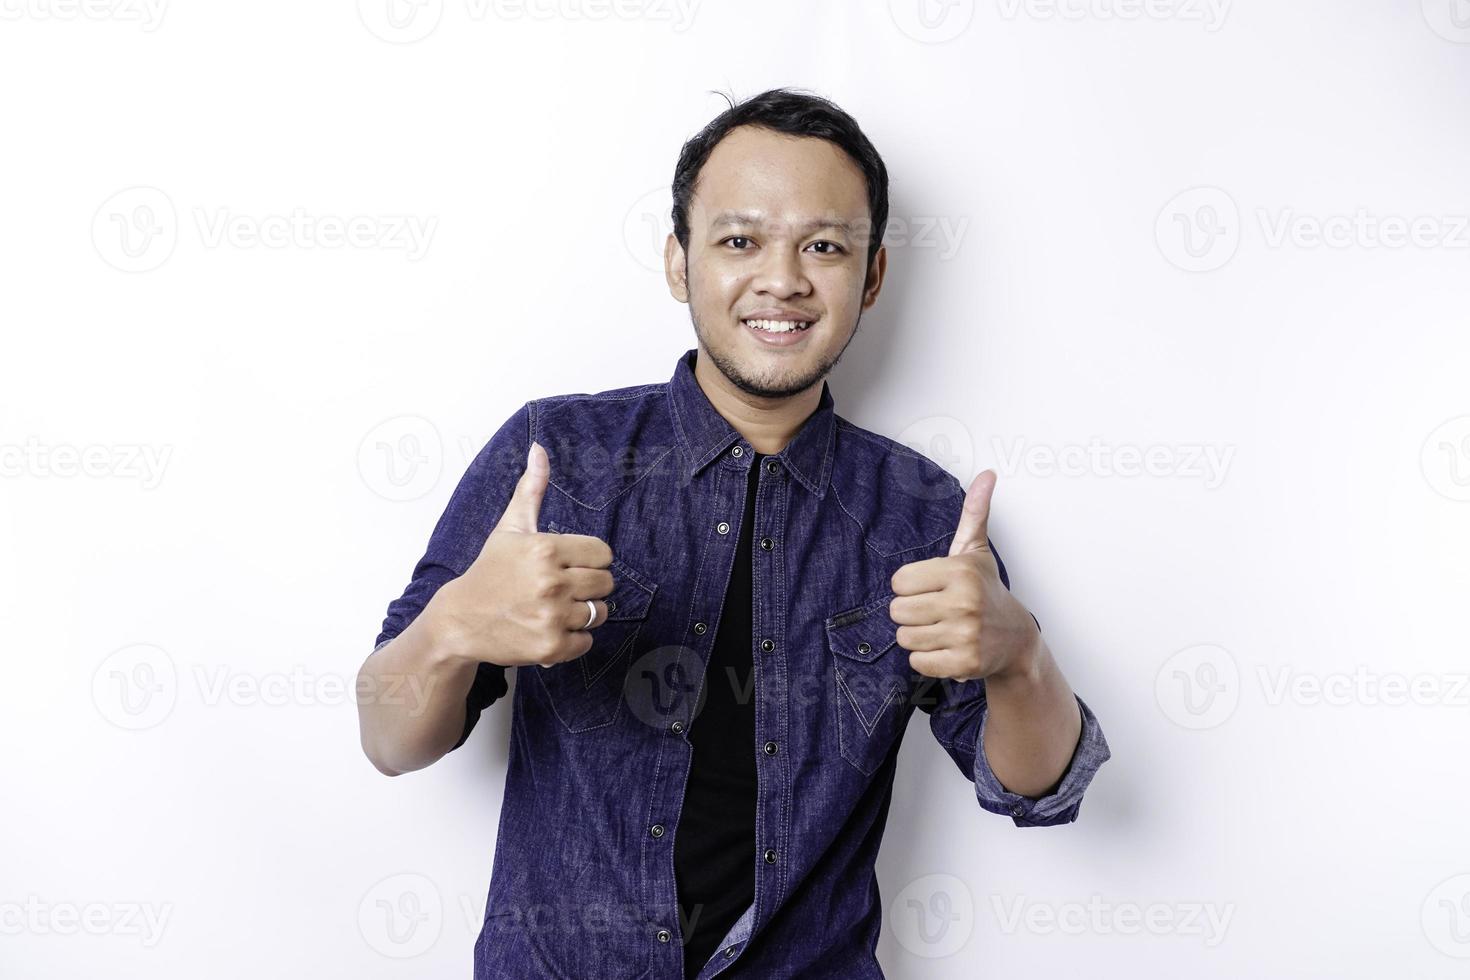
[
  {"x": 523, "y": 599},
  {"x": 954, "y": 614}
]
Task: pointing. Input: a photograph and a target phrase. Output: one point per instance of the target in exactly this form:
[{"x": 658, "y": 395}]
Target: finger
[
  {"x": 575, "y": 616},
  {"x": 970, "y": 535},
  {"x": 523, "y": 512},
  {"x": 590, "y": 583},
  {"x": 922, "y": 639},
  {"x": 583, "y": 551},
  {"x": 938, "y": 663},
  {"x": 916, "y": 610}
]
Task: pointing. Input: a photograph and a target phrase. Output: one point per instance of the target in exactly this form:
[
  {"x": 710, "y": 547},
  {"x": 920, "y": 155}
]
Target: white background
[{"x": 226, "y": 437}]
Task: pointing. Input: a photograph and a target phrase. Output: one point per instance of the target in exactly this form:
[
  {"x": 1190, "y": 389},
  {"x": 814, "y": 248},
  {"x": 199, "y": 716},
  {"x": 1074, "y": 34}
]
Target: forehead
[{"x": 782, "y": 177}]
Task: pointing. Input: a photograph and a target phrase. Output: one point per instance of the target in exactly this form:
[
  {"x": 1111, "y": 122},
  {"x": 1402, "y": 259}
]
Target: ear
[
  {"x": 874, "y": 281},
  {"x": 676, "y": 269}
]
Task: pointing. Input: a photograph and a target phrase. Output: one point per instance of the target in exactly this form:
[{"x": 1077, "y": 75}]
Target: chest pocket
[
  {"x": 586, "y": 692},
  {"x": 871, "y": 678}
]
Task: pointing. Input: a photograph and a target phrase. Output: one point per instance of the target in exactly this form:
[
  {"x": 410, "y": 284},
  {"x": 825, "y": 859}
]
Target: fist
[
  {"x": 955, "y": 616},
  {"x": 523, "y": 599}
]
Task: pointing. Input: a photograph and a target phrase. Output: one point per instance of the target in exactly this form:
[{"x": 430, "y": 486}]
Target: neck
[{"x": 768, "y": 424}]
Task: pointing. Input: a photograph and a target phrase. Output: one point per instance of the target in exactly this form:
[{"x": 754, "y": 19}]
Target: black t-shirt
[{"x": 714, "y": 844}]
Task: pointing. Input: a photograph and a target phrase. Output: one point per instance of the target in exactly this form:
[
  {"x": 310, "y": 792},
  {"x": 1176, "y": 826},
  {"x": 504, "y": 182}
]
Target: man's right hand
[{"x": 522, "y": 599}]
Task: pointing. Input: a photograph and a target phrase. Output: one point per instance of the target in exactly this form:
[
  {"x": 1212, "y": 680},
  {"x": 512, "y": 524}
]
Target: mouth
[{"x": 778, "y": 326}]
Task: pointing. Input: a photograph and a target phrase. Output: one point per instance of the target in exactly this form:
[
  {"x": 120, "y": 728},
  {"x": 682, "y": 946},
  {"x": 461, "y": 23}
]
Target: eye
[
  {"x": 735, "y": 238},
  {"x": 837, "y": 249}
]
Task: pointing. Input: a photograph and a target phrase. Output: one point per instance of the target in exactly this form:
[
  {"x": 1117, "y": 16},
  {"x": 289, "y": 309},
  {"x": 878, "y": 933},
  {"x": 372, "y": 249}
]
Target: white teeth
[{"x": 777, "y": 326}]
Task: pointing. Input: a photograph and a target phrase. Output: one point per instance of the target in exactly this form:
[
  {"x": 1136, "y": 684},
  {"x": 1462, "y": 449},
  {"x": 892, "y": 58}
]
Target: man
[{"x": 724, "y": 602}]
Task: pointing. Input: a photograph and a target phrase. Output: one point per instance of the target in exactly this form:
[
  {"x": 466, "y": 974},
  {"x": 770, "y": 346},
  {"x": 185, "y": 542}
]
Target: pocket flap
[
  {"x": 864, "y": 633},
  {"x": 632, "y": 592}
]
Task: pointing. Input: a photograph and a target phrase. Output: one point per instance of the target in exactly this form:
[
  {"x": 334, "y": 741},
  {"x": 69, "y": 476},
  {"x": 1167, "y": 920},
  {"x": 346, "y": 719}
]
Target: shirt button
[
  {"x": 657, "y": 830},
  {"x": 767, "y": 544},
  {"x": 723, "y": 527},
  {"x": 729, "y": 951},
  {"x": 612, "y": 605},
  {"x": 863, "y": 648},
  {"x": 767, "y": 645},
  {"x": 1017, "y": 810},
  {"x": 737, "y": 452},
  {"x": 770, "y": 466},
  {"x": 770, "y": 856},
  {"x": 676, "y": 727},
  {"x": 700, "y": 628},
  {"x": 664, "y": 935},
  {"x": 770, "y": 748}
]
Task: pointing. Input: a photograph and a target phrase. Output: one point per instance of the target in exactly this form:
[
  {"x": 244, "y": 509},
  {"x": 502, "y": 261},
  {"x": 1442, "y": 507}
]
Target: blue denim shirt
[{"x": 583, "y": 881}]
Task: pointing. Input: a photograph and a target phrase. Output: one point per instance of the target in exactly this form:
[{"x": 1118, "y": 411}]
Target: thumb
[
  {"x": 971, "y": 534},
  {"x": 523, "y": 513}
]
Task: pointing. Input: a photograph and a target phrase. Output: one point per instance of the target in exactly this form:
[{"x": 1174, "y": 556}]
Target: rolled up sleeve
[{"x": 1063, "y": 803}]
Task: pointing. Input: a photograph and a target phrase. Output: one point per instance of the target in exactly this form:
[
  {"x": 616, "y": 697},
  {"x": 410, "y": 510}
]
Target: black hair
[{"x": 794, "y": 113}]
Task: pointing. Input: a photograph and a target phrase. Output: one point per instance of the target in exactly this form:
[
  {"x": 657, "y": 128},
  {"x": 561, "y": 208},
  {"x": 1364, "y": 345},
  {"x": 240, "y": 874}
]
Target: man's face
[{"x": 778, "y": 226}]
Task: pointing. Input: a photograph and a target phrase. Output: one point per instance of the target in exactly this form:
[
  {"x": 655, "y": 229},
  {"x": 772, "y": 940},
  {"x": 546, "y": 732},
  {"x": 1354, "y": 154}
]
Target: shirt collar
[{"x": 705, "y": 434}]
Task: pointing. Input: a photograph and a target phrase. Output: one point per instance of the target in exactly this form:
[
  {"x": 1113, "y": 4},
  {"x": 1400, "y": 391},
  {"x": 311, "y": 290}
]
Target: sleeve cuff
[{"x": 1058, "y": 807}]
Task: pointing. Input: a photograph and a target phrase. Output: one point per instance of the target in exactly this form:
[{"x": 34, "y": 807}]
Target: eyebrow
[{"x": 805, "y": 227}]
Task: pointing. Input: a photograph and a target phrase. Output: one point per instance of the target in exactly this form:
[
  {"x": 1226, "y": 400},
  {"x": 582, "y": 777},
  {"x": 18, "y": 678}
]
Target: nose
[{"x": 781, "y": 274}]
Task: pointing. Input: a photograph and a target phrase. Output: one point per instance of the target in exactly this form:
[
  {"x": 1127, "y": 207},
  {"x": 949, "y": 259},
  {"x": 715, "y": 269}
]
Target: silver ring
[{"x": 591, "y": 613}]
